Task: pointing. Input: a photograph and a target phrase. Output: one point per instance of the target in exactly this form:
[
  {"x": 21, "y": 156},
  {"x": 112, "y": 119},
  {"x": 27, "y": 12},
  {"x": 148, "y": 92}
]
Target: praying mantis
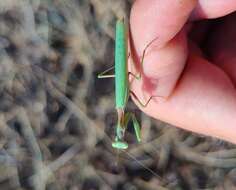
[{"x": 122, "y": 89}]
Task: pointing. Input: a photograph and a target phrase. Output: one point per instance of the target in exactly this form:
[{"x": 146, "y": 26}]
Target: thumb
[{"x": 165, "y": 58}]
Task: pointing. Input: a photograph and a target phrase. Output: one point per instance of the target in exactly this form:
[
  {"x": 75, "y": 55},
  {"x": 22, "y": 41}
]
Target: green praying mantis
[{"x": 122, "y": 90}]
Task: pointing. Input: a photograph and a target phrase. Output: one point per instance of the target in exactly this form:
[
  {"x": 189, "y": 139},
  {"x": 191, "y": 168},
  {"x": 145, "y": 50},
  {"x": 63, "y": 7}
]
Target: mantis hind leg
[{"x": 142, "y": 59}]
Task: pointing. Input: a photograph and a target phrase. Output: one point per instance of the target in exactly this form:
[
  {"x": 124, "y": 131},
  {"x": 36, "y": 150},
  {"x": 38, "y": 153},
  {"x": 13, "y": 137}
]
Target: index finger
[{"x": 166, "y": 56}]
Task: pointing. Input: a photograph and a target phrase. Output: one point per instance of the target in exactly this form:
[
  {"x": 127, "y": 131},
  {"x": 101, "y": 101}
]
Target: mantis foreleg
[{"x": 136, "y": 125}]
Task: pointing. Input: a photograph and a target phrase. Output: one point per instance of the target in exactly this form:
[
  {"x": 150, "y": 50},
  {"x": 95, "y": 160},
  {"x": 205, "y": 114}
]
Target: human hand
[{"x": 199, "y": 86}]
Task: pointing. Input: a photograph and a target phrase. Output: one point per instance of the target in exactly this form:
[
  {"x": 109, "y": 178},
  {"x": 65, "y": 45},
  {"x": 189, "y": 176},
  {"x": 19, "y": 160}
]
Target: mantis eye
[{"x": 120, "y": 145}]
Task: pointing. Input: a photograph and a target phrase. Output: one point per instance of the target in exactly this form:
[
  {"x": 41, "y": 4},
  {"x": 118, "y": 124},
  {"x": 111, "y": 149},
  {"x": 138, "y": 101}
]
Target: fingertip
[
  {"x": 213, "y": 9},
  {"x": 155, "y": 18}
]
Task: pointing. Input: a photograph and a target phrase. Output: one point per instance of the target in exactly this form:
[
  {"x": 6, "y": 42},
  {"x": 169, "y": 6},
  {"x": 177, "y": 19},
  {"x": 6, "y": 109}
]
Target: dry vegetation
[{"x": 57, "y": 119}]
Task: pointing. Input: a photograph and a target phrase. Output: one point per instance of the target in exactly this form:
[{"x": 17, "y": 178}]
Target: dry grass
[{"x": 57, "y": 119}]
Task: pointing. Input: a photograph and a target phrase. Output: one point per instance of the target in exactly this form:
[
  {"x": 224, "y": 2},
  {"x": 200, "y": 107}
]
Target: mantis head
[
  {"x": 123, "y": 119},
  {"x": 119, "y": 143}
]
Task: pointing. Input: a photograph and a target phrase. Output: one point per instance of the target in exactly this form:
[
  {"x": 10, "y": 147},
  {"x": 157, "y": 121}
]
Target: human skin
[{"x": 198, "y": 86}]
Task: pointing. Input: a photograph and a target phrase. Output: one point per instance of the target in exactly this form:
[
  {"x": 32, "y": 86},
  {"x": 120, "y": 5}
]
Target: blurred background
[{"x": 57, "y": 120}]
